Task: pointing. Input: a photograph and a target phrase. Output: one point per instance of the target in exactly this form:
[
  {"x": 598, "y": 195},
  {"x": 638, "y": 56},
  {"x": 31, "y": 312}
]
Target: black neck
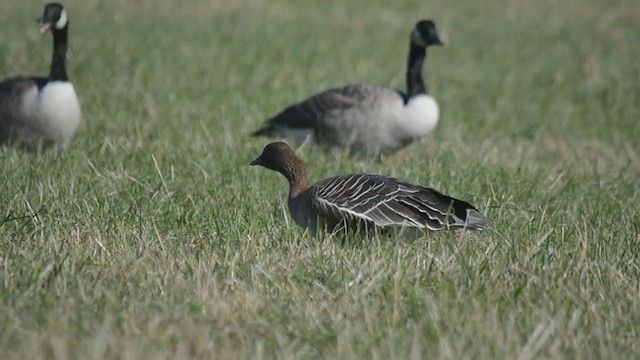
[
  {"x": 58, "y": 71},
  {"x": 415, "y": 84}
]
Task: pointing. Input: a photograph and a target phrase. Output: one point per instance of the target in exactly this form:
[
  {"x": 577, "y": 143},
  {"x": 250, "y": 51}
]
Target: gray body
[
  {"x": 376, "y": 201},
  {"x": 14, "y": 122},
  {"x": 365, "y": 118},
  {"x": 37, "y": 112}
]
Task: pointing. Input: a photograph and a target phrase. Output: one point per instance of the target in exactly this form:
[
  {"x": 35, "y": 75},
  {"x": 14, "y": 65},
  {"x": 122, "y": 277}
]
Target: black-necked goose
[
  {"x": 363, "y": 200},
  {"x": 367, "y": 118},
  {"x": 38, "y": 111}
]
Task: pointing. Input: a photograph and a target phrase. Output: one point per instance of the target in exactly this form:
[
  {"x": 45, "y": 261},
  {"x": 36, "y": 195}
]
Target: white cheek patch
[
  {"x": 416, "y": 38},
  {"x": 62, "y": 22}
]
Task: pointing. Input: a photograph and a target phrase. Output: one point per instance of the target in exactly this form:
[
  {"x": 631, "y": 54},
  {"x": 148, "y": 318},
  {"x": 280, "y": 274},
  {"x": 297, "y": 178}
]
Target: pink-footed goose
[
  {"x": 365, "y": 201},
  {"x": 366, "y": 118}
]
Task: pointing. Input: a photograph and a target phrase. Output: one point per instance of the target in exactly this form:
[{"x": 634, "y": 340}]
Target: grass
[{"x": 151, "y": 237}]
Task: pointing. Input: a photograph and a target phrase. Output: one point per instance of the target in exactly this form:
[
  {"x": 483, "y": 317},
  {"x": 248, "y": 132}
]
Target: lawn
[{"x": 150, "y": 236}]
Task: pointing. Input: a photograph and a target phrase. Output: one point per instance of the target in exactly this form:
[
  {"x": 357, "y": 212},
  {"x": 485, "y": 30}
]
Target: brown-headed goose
[
  {"x": 365, "y": 201},
  {"x": 38, "y": 111},
  {"x": 366, "y": 118}
]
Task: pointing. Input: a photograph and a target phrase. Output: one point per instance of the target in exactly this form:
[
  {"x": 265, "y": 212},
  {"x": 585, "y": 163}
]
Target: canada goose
[
  {"x": 367, "y": 118},
  {"x": 38, "y": 111},
  {"x": 364, "y": 200}
]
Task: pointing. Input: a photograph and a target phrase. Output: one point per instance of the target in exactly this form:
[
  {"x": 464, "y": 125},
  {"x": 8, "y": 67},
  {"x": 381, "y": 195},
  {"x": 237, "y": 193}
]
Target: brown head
[{"x": 279, "y": 157}]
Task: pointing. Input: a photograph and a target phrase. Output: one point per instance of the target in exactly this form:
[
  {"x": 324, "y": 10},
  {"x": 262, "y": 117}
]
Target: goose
[
  {"x": 39, "y": 111},
  {"x": 366, "y": 118},
  {"x": 365, "y": 201}
]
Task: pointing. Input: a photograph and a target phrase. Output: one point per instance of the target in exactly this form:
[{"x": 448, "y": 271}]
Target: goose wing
[
  {"x": 11, "y": 96},
  {"x": 386, "y": 201},
  {"x": 16, "y": 86},
  {"x": 308, "y": 114},
  {"x": 12, "y": 90}
]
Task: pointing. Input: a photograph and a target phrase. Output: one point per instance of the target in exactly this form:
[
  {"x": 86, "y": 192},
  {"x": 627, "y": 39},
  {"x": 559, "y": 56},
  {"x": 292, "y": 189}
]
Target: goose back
[
  {"x": 14, "y": 120},
  {"x": 364, "y": 117},
  {"x": 381, "y": 201}
]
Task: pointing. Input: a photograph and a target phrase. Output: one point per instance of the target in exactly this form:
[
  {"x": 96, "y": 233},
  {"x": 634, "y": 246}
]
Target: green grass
[{"x": 151, "y": 237}]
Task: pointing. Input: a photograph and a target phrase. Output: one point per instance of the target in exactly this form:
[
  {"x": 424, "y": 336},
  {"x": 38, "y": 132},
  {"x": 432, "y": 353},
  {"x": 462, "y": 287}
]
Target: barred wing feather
[{"x": 386, "y": 201}]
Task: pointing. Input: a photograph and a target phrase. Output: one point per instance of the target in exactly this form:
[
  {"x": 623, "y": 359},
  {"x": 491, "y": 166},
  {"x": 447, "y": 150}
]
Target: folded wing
[
  {"x": 386, "y": 202},
  {"x": 309, "y": 113},
  {"x": 12, "y": 91}
]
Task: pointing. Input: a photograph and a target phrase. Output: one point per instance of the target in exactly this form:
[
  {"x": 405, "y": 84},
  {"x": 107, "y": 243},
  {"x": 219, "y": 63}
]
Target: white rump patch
[
  {"x": 421, "y": 116},
  {"x": 59, "y": 111}
]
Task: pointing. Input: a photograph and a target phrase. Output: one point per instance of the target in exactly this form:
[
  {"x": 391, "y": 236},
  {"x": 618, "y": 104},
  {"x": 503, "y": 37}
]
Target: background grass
[{"x": 151, "y": 237}]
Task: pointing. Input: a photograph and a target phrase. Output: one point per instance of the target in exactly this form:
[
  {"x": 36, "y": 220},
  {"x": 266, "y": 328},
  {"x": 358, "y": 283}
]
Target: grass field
[{"x": 151, "y": 237}]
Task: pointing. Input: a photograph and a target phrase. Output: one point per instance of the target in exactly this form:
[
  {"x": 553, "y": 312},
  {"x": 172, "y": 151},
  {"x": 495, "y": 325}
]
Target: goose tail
[
  {"x": 475, "y": 220},
  {"x": 268, "y": 131}
]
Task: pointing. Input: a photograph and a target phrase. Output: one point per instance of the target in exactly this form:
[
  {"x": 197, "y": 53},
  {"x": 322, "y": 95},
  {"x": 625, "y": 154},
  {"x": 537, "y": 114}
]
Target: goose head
[
  {"x": 54, "y": 18},
  {"x": 425, "y": 34},
  {"x": 279, "y": 157},
  {"x": 276, "y": 156}
]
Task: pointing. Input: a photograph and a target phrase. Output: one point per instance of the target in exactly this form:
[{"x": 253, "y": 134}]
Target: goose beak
[
  {"x": 437, "y": 40},
  {"x": 257, "y": 161},
  {"x": 45, "y": 26}
]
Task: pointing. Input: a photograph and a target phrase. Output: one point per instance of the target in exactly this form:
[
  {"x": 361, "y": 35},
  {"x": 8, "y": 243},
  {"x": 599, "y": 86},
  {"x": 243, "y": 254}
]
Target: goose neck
[
  {"x": 296, "y": 174},
  {"x": 415, "y": 83},
  {"x": 58, "y": 71}
]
